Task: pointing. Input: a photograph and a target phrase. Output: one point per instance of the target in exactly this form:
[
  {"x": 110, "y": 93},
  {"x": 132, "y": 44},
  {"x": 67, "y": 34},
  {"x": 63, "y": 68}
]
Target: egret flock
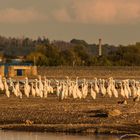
[{"x": 76, "y": 89}]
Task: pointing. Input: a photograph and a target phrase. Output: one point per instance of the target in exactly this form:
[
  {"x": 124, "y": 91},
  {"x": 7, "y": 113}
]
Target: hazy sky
[{"x": 115, "y": 21}]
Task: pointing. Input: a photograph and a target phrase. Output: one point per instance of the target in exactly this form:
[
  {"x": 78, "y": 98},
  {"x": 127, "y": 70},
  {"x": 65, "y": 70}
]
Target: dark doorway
[{"x": 19, "y": 72}]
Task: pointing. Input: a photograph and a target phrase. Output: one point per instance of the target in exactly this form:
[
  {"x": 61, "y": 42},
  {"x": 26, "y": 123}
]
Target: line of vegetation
[{"x": 74, "y": 53}]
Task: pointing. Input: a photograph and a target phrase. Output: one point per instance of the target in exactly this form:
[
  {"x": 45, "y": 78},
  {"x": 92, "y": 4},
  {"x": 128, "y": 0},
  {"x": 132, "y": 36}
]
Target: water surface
[{"x": 12, "y": 135}]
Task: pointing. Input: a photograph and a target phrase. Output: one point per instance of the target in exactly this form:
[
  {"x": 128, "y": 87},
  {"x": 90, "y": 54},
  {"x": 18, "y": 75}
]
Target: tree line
[{"x": 44, "y": 52}]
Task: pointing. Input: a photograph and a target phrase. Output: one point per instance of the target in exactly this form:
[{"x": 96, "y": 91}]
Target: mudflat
[
  {"x": 103, "y": 115},
  {"x": 117, "y": 72}
]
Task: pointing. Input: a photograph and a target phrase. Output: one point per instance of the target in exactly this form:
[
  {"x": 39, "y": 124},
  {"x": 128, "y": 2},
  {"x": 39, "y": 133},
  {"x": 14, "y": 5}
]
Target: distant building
[{"x": 17, "y": 69}]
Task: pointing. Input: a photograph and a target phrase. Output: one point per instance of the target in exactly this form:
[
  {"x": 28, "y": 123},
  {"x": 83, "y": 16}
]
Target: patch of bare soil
[{"x": 103, "y": 115}]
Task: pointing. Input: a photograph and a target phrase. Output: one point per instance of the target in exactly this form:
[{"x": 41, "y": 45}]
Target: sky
[{"x": 115, "y": 21}]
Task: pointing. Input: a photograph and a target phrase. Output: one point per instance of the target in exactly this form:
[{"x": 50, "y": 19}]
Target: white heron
[
  {"x": 33, "y": 90},
  {"x": 93, "y": 93},
  {"x": 6, "y": 88},
  {"x": 1, "y": 83},
  {"x": 27, "y": 88},
  {"x": 96, "y": 88}
]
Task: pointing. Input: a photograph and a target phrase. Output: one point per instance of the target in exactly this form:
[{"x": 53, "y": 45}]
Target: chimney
[{"x": 100, "y": 47}]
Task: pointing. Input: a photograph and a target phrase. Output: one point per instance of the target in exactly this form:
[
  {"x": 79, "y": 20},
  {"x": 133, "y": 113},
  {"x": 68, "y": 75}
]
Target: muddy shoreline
[
  {"x": 86, "y": 116},
  {"x": 76, "y": 128}
]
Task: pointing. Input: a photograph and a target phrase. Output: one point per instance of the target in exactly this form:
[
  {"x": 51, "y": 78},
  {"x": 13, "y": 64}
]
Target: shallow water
[{"x": 10, "y": 135}]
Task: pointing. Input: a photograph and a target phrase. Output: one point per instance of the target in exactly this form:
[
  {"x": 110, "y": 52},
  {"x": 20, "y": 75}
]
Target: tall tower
[{"x": 100, "y": 47}]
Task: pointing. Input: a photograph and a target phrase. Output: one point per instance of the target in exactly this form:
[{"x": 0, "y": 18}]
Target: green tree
[{"x": 38, "y": 58}]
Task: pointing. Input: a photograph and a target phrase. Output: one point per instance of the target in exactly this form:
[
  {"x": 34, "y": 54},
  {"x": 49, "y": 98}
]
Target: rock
[
  {"x": 122, "y": 102},
  {"x": 115, "y": 112},
  {"x": 29, "y": 122}
]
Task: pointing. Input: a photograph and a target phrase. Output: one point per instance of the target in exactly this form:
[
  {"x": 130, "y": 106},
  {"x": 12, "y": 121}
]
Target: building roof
[{"x": 16, "y": 64}]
